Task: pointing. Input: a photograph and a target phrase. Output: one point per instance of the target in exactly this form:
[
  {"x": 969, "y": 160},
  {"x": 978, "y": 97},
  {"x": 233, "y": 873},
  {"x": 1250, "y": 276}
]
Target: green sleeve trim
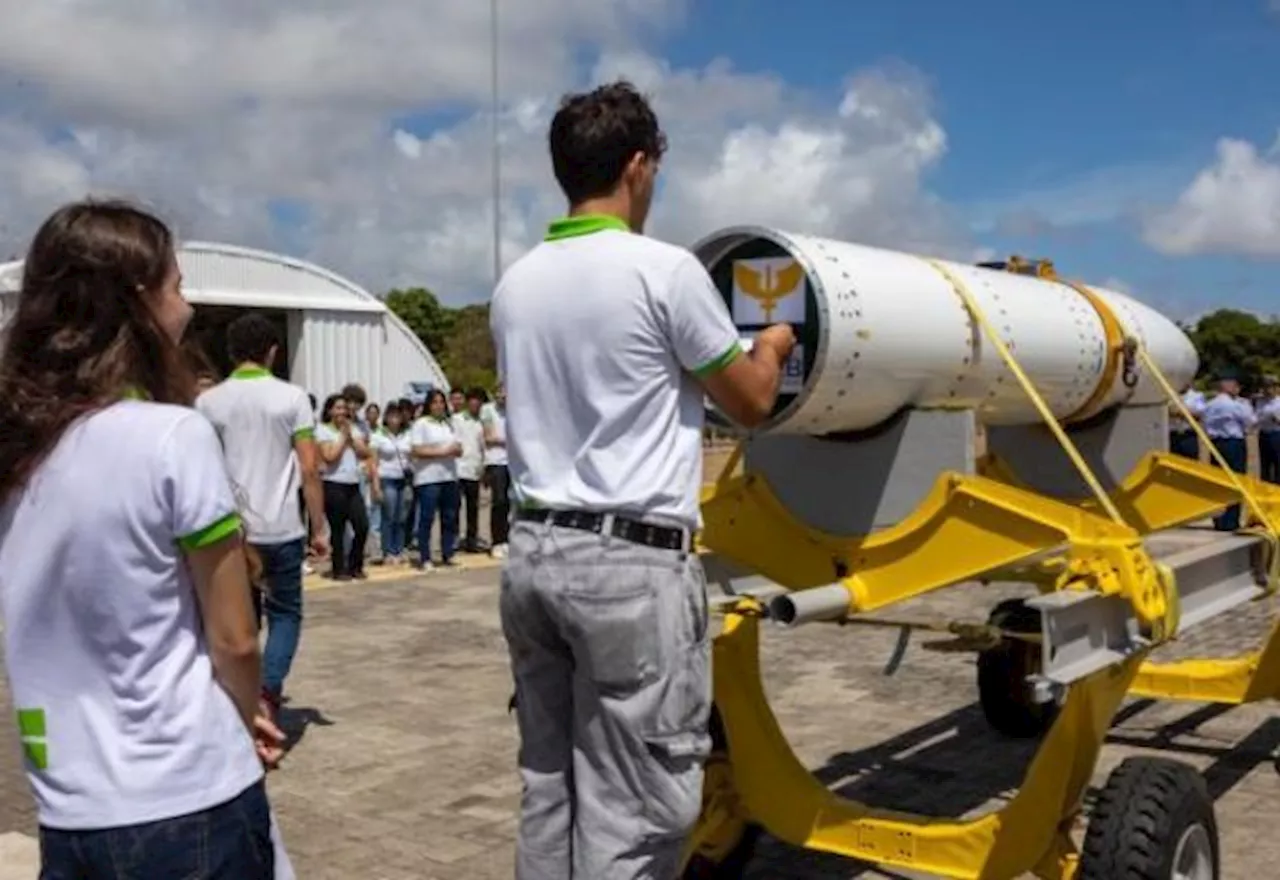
[
  {"x": 31, "y": 722},
  {"x": 37, "y": 753},
  {"x": 31, "y": 730},
  {"x": 304, "y": 434},
  {"x": 719, "y": 362},
  {"x": 584, "y": 224},
  {"x": 211, "y": 534}
]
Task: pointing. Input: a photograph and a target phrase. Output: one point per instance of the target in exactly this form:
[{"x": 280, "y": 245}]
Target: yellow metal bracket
[
  {"x": 1032, "y": 833},
  {"x": 966, "y": 526}
]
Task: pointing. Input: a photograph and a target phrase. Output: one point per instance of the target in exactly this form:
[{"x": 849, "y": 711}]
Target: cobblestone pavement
[{"x": 403, "y": 765}]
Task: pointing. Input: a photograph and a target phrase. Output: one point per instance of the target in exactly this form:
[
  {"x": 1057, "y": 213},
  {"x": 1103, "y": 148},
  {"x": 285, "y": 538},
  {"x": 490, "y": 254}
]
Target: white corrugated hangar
[{"x": 335, "y": 332}]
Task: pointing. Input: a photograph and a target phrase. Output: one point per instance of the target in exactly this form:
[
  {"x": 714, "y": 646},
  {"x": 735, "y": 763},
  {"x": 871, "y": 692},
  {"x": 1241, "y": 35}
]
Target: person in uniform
[
  {"x": 267, "y": 430},
  {"x": 1269, "y": 431},
  {"x": 607, "y": 342},
  {"x": 493, "y": 416},
  {"x": 1228, "y": 418},
  {"x": 1183, "y": 439}
]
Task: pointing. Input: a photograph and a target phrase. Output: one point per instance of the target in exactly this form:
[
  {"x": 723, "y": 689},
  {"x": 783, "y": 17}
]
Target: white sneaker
[{"x": 498, "y": 551}]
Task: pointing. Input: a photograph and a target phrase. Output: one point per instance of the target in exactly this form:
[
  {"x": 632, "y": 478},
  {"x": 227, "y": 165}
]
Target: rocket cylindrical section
[{"x": 882, "y": 330}]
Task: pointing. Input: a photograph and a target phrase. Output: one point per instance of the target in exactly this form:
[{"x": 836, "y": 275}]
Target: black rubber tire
[
  {"x": 1146, "y": 807},
  {"x": 735, "y": 863},
  {"x": 1002, "y": 672}
]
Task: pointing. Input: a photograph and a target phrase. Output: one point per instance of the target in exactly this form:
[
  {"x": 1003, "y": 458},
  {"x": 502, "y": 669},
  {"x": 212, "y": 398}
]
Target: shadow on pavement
[
  {"x": 956, "y": 766},
  {"x": 296, "y": 721},
  {"x": 1231, "y": 763}
]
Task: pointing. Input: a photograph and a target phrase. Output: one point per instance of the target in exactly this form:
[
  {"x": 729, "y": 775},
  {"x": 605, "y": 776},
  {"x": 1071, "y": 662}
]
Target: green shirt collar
[
  {"x": 134, "y": 393},
  {"x": 250, "y": 371},
  {"x": 584, "y": 224}
]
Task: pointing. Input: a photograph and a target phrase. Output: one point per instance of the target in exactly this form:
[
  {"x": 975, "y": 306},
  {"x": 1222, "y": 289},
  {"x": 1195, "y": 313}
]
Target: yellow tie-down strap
[
  {"x": 1029, "y": 388},
  {"x": 1116, "y": 569}
]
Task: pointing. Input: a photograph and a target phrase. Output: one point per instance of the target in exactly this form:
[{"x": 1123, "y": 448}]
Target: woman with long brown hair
[{"x": 130, "y": 643}]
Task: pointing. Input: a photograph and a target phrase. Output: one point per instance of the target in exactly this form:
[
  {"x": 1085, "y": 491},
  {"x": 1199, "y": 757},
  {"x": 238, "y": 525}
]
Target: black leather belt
[{"x": 662, "y": 537}]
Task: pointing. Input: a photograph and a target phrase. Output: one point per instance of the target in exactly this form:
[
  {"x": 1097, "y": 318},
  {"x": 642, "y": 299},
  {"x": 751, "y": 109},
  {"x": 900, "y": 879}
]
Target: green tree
[
  {"x": 426, "y": 317},
  {"x": 1229, "y": 339},
  {"x": 469, "y": 358},
  {"x": 459, "y": 338}
]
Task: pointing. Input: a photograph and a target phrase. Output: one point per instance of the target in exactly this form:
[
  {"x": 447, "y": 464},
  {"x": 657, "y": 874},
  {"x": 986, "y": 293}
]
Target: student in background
[
  {"x": 409, "y": 413},
  {"x": 493, "y": 418},
  {"x": 435, "y": 450},
  {"x": 391, "y": 447},
  {"x": 466, "y": 424},
  {"x": 268, "y": 435},
  {"x": 130, "y": 644},
  {"x": 343, "y": 452},
  {"x": 372, "y": 491}
]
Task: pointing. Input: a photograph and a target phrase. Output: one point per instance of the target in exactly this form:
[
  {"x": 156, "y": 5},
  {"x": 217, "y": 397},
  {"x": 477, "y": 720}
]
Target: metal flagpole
[{"x": 496, "y": 147}]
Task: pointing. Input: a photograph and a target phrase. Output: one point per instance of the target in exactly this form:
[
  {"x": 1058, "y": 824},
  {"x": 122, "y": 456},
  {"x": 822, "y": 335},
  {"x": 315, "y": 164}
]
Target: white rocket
[{"x": 882, "y": 330}]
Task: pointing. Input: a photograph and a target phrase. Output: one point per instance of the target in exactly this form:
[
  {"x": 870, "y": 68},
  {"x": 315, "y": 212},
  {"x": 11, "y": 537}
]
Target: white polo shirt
[
  {"x": 471, "y": 434},
  {"x": 346, "y": 470},
  {"x": 121, "y": 719},
  {"x": 393, "y": 453},
  {"x": 496, "y": 419},
  {"x": 258, "y": 417},
  {"x": 427, "y": 431},
  {"x": 599, "y": 333}
]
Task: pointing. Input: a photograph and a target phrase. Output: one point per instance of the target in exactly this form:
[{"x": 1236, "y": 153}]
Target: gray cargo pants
[{"x": 612, "y": 661}]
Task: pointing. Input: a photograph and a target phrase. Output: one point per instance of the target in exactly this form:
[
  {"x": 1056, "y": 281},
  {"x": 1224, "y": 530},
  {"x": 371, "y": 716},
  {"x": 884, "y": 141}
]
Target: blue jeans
[
  {"x": 392, "y": 516},
  {"x": 282, "y": 571},
  {"x": 231, "y": 841},
  {"x": 443, "y": 498}
]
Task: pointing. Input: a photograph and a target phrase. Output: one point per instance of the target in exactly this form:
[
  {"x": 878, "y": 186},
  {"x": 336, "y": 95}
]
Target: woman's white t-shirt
[
  {"x": 392, "y": 451},
  {"x": 121, "y": 719},
  {"x": 347, "y": 468},
  {"x": 496, "y": 420},
  {"x": 427, "y": 431}
]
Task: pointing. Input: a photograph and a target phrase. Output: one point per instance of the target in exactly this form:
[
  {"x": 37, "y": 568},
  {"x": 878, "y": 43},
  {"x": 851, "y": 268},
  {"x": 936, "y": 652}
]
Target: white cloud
[
  {"x": 367, "y": 120},
  {"x": 1231, "y": 207}
]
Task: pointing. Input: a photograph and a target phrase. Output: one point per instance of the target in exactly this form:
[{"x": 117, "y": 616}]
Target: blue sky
[
  {"x": 1072, "y": 130},
  {"x": 1064, "y": 120}
]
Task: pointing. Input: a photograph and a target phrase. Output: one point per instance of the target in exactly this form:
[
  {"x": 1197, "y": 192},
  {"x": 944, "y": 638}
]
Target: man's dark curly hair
[{"x": 594, "y": 135}]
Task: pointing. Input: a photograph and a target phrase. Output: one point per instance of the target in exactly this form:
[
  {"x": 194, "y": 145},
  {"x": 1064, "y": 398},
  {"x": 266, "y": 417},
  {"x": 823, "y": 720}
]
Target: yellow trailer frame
[{"x": 966, "y": 528}]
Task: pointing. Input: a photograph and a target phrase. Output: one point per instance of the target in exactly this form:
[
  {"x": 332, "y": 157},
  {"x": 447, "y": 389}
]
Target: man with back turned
[{"x": 607, "y": 342}]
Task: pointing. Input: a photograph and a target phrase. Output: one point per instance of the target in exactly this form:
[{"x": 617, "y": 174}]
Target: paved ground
[{"x": 403, "y": 765}]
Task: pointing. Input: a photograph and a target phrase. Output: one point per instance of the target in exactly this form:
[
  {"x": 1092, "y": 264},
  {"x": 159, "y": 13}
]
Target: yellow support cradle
[{"x": 968, "y": 527}]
